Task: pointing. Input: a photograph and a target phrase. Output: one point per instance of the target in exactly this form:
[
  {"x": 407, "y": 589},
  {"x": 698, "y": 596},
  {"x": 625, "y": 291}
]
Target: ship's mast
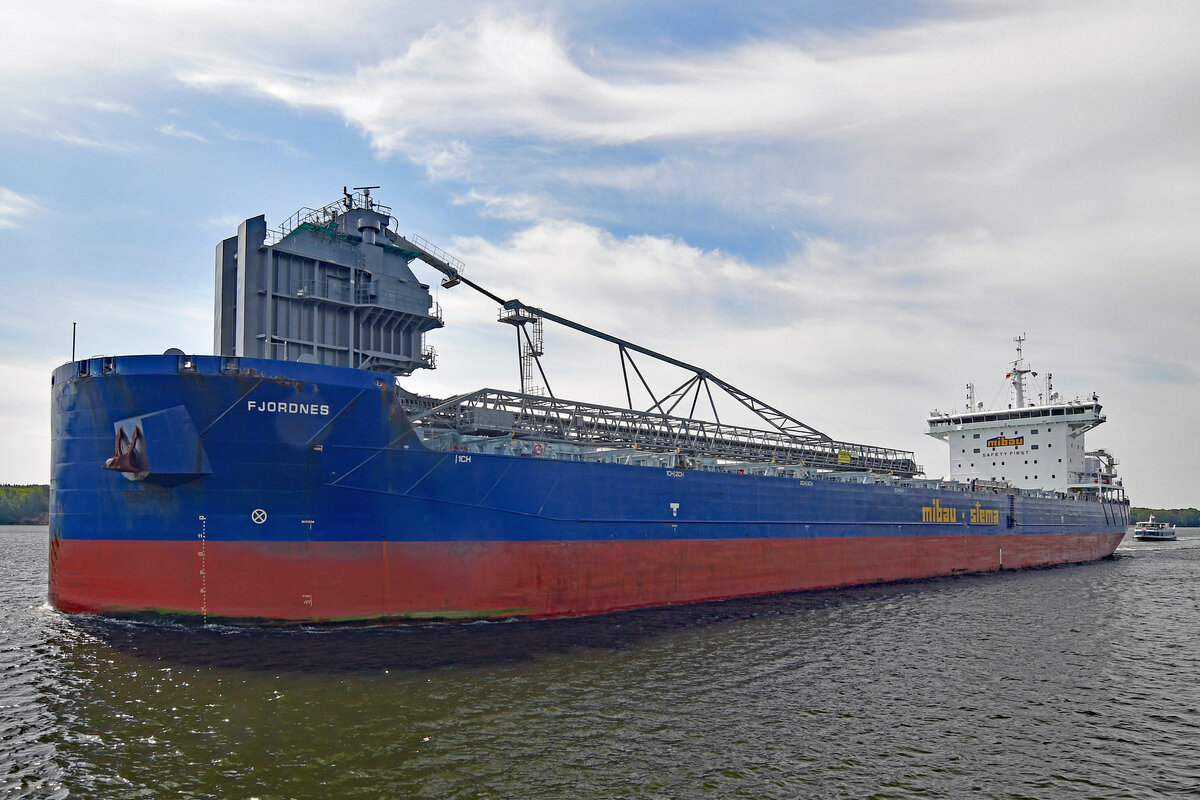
[{"x": 1018, "y": 373}]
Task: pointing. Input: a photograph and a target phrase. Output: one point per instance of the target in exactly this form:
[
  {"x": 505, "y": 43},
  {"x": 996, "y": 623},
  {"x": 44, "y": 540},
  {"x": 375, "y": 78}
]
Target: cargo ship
[{"x": 289, "y": 478}]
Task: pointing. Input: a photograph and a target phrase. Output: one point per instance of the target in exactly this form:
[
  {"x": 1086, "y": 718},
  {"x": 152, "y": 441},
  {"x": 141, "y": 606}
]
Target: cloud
[
  {"x": 282, "y": 145},
  {"x": 28, "y": 457},
  {"x": 90, "y": 141},
  {"x": 442, "y": 160},
  {"x": 963, "y": 112},
  {"x": 515, "y": 75},
  {"x": 1029, "y": 125},
  {"x": 109, "y": 107},
  {"x": 810, "y": 315},
  {"x": 76, "y": 65},
  {"x": 15, "y": 207},
  {"x": 516, "y": 206},
  {"x": 180, "y": 133}
]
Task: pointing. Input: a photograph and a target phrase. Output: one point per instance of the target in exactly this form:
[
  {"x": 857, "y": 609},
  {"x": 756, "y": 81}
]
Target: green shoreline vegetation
[
  {"x": 1183, "y": 517},
  {"x": 24, "y": 505},
  {"x": 30, "y": 505}
]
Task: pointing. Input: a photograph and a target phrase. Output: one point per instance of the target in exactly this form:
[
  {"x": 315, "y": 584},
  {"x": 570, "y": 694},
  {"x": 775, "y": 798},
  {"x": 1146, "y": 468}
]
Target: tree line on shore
[
  {"x": 24, "y": 505},
  {"x": 1183, "y": 517},
  {"x": 30, "y": 505}
]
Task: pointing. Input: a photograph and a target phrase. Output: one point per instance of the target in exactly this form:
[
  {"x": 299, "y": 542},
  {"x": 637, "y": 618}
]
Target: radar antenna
[{"x": 366, "y": 190}]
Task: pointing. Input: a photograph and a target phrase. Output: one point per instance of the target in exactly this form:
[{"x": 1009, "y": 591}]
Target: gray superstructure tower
[{"x": 331, "y": 285}]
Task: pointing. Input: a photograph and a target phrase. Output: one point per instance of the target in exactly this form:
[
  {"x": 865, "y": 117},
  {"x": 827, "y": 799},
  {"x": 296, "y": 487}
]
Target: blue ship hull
[{"x": 261, "y": 490}]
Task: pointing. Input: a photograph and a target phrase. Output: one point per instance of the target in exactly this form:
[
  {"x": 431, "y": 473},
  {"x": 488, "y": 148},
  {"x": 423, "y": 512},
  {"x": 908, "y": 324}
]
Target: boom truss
[{"x": 662, "y": 427}]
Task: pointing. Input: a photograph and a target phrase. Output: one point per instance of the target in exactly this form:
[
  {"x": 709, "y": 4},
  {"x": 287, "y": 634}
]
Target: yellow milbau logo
[
  {"x": 1000, "y": 441},
  {"x": 937, "y": 513}
]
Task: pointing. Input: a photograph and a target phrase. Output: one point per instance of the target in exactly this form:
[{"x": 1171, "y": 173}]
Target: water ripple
[{"x": 1065, "y": 682}]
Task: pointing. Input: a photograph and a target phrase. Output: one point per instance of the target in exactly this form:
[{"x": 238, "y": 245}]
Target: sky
[{"x": 847, "y": 209}]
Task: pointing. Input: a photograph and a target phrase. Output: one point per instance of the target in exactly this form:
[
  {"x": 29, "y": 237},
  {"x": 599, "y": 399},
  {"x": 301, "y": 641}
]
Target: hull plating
[
  {"x": 289, "y": 492},
  {"x": 323, "y": 581}
]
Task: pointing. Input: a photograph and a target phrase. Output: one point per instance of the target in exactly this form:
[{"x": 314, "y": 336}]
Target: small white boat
[{"x": 1151, "y": 531}]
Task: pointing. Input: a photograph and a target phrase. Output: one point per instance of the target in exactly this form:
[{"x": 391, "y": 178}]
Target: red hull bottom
[{"x": 332, "y": 581}]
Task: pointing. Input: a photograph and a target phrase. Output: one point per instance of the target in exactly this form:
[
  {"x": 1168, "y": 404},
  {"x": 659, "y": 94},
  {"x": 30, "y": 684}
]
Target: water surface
[{"x": 1064, "y": 682}]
